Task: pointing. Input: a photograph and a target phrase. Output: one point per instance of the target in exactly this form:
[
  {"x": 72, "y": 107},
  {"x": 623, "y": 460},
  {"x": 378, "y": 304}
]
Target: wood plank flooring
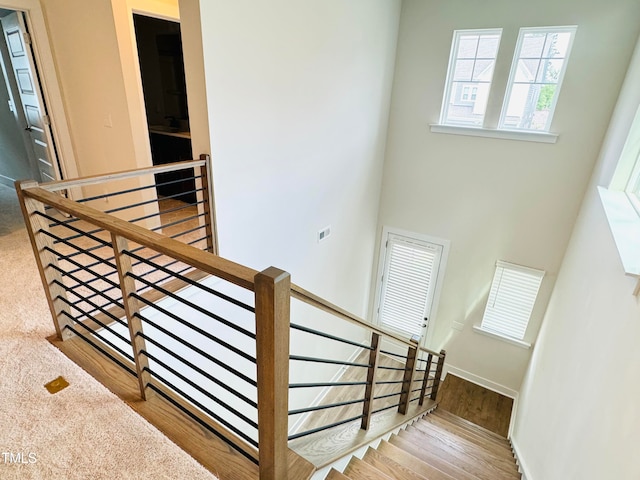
[{"x": 477, "y": 404}]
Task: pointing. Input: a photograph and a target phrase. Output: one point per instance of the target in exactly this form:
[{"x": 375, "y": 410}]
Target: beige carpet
[{"x": 82, "y": 432}]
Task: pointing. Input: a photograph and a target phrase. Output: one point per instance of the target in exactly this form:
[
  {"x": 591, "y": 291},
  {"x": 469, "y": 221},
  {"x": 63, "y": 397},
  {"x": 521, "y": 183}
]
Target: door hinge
[
  {"x": 27, "y": 37},
  {"x": 46, "y": 120}
]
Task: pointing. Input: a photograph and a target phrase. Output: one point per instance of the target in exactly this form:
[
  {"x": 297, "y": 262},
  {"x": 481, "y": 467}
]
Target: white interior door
[
  {"x": 410, "y": 270},
  {"x": 24, "y": 70}
]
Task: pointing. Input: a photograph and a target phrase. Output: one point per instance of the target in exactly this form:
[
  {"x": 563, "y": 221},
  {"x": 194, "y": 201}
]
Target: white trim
[
  {"x": 9, "y": 182},
  {"x": 521, "y": 135},
  {"x": 446, "y": 246},
  {"x": 514, "y": 414},
  {"x": 483, "y": 382},
  {"x": 522, "y": 466},
  {"x": 497, "y": 336},
  {"x": 51, "y": 92},
  {"x": 624, "y": 223}
]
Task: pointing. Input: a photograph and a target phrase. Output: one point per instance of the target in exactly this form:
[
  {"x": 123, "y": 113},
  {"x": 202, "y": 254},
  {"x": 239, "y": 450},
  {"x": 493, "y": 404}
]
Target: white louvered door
[{"x": 408, "y": 284}]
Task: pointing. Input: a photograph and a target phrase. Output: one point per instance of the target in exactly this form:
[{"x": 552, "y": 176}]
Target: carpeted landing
[{"x": 83, "y": 431}]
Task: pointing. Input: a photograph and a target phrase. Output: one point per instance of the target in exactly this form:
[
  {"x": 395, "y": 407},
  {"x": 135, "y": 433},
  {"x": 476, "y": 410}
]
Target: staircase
[{"x": 440, "y": 446}]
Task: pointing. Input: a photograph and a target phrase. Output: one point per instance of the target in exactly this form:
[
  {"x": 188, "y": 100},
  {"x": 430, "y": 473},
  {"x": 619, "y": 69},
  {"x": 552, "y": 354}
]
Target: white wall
[
  {"x": 90, "y": 73},
  {"x": 578, "y": 415},
  {"x": 493, "y": 198},
  {"x": 298, "y": 96}
]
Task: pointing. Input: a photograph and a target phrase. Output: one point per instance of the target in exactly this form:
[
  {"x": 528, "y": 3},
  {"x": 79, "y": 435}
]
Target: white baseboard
[
  {"x": 9, "y": 182},
  {"x": 483, "y": 382},
  {"x": 522, "y": 468}
]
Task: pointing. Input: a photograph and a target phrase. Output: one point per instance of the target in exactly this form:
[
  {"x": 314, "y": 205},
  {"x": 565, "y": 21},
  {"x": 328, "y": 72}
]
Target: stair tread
[
  {"x": 432, "y": 459},
  {"x": 467, "y": 424},
  {"x": 467, "y": 433},
  {"x": 390, "y": 467},
  {"x": 412, "y": 461},
  {"x": 501, "y": 456},
  {"x": 336, "y": 475},
  {"x": 360, "y": 470},
  {"x": 478, "y": 466},
  {"x": 461, "y": 448}
]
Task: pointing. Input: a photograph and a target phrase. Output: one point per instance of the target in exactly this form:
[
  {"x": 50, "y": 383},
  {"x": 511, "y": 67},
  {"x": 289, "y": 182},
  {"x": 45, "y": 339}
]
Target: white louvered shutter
[
  {"x": 410, "y": 271},
  {"x": 511, "y": 299}
]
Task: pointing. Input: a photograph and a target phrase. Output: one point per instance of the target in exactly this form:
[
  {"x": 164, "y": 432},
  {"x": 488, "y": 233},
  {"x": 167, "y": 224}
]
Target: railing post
[
  {"x": 46, "y": 261},
  {"x": 374, "y": 356},
  {"x": 425, "y": 379},
  {"x": 436, "y": 381},
  {"x": 131, "y": 308},
  {"x": 208, "y": 205},
  {"x": 272, "y": 304},
  {"x": 409, "y": 372}
]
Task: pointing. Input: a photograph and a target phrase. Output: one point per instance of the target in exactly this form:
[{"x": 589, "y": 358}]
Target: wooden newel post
[
  {"x": 132, "y": 308},
  {"x": 425, "y": 379},
  {"x": 369, "y": 393},
  {"x": 436, "y": 381},
  {"x": 206, "y": 175},
  {"x": 409, "y": 372},
  {"x": 46, "y": 260},
  {"x": 273, "y": 299}
]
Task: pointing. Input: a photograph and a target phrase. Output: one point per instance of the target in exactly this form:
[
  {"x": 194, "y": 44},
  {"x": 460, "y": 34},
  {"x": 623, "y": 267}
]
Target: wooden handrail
[
  {"x": 212, "y": 264},
  {"x": 93, "y": 179},
  {"x": 319, "y": 302}
]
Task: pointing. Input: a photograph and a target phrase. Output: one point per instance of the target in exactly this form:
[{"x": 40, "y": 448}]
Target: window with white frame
[
  {"x": 621, "y": 202},
  {"x": 512, "y": 296},
  {"x": 531, "y": 91},
  {"x": 471, "y": 66},
  {"x": 633, "y": 186},
  {"x": 537, "y": 70}
]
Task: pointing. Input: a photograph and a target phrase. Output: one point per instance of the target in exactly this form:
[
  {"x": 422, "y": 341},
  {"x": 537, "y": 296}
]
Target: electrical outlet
[{"x": 324, "y": 233}]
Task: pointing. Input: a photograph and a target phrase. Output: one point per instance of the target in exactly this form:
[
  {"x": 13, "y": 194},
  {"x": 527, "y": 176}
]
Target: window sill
[
  {"x": 541, "y": 137},
  {"x": 513, "y": 341},
  {"x": 624, "y": 223}
]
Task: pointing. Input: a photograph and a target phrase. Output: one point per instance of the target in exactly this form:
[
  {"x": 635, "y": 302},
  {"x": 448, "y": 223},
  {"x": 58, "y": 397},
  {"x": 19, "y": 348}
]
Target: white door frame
[
  {"x": 43, "y": 57},
  {"x": 445, "y": 244}
]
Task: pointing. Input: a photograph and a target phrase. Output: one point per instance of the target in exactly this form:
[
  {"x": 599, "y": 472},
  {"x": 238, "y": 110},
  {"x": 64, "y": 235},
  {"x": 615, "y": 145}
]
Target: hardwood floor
[{"x": 476, "y": 404}]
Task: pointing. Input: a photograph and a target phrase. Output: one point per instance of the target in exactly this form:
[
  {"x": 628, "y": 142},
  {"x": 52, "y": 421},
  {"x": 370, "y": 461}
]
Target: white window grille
[
  {"x": 471, "y": 66},
  {"x": 537, "y": 71}
]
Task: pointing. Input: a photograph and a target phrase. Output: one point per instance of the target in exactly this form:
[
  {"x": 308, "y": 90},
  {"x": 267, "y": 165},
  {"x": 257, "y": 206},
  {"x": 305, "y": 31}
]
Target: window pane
[
  {"x": 557, "y": 45},
  {"x": 550, "y": 71},
  {"x": 529, "y": 106},
  {"x": 483, "y": 70},
  {"x": 467, "y": 46},
  {"x": 532, "y": 45},
  {"x": 463, "y": 70},
  {"x": 469, "y": 77},
  {"x": 488, "y": 46},
  {"x": 527, "y": 70},
  {"x": 534, "y": 82}
]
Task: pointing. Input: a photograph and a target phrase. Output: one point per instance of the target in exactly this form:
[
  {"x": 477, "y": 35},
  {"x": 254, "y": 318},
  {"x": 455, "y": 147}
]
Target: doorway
[
  {"x": 159, "y": 47},
  {"x": 412, "y": 268},
  {"x": 26, "y": 130}
]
